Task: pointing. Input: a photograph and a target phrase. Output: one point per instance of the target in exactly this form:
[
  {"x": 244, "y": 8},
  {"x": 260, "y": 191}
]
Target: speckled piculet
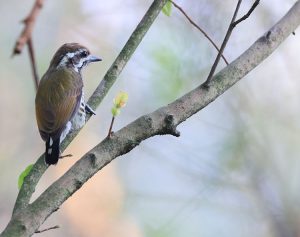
[{"x": 59, "y": 101}]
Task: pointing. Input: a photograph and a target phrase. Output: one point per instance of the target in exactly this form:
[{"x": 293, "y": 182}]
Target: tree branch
[
  {"x": 26, "y": 38},
  {"x": 247, "y": 14},
  {"x": 199, "y": 28},
  {"x": 233, "y": 23},
  {"x": 227, "y": 36},
  {"x": 161, "y": 121},
  {"x": 29, "y": 24},
  {"x": 94, "y": 101},
  {"x": 33, "y": 64}
]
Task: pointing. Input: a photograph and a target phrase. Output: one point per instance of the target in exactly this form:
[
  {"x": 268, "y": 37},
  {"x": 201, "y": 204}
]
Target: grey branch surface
[{"x": 162, "y": 121}]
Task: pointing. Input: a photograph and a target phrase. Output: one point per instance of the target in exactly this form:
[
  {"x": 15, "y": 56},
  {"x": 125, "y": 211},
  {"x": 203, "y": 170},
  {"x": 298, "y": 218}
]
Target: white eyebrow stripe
[
  {"x": 70, "y": 55},
  {"x": 65, "y": 59}
]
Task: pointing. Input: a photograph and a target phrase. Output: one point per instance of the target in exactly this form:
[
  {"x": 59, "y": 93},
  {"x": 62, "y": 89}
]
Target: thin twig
[
  {"x": 50, "y": 228},
  {"x": 26, "y": 38},
  {"x": 110, "y": 127},
  {"x": 227, "y": 36},
  {"x": 33, "y": 64},
  {"x": 29, "y": 23},
  {"x": 199, "y": 28},
  {"x": 233, "y": 24},
  {"x": 247, "y": 14}
]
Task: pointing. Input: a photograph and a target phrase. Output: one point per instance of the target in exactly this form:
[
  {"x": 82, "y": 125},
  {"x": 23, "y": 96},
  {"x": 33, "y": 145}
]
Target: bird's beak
[{"x": 92, "y": 58}]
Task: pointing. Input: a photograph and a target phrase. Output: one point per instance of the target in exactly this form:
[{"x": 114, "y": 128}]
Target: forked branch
[
  {"x": 199, "y": 28},
  {"x": 28, "y": 28},
  {"x": 232, "y": 25},
  {"x": 26, "y": 38}
]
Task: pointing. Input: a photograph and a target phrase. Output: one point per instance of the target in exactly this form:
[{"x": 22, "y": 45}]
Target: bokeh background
[{"x": 234, "y": 171}]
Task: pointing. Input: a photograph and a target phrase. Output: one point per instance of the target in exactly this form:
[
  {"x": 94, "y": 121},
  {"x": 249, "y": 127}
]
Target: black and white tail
[{"x": 52, "y": 151}]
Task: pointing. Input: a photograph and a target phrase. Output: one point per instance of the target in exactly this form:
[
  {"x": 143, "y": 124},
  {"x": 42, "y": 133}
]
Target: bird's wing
[{"x": 57, "y": 101}]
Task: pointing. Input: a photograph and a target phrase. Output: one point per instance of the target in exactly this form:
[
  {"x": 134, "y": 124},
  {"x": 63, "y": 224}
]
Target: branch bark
[{"x": 161, "y": 121}]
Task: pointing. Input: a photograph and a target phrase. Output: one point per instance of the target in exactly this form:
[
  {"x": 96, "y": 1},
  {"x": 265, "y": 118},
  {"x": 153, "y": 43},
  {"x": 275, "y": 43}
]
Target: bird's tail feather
[{"x": 52, "y": 151}]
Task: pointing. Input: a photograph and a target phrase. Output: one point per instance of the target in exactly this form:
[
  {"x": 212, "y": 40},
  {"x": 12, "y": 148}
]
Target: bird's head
[{"x": 72, "y": 55}]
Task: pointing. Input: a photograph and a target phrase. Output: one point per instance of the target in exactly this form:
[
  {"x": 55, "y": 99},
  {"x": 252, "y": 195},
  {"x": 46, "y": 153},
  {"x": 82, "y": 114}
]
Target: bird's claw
[{"x": 89, "y": 110}]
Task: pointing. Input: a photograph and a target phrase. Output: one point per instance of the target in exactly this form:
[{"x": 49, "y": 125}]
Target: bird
[{"x": 59, "y": 101}]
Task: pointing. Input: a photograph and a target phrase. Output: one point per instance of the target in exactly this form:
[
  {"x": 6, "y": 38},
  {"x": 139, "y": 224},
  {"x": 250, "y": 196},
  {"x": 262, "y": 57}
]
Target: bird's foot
[{"x": 89, "y": 110}]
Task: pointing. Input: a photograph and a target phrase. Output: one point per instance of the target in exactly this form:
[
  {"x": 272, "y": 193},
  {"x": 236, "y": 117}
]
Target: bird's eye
[{"x": 84, "y": 54}]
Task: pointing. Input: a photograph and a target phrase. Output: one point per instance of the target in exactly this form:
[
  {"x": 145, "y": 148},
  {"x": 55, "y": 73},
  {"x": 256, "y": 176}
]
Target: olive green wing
[{"x": 57, "y": 101}]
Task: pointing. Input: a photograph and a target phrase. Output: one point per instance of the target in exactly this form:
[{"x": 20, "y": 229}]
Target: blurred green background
[{"x": 234, "y": 171}]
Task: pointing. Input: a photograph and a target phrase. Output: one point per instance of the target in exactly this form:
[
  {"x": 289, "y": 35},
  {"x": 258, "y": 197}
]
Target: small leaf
[
  {"x": 167, "y": 8},
  {"x": 115, "y": 111},
  {"x": 121, "y": 99},
  {"x": 23, "y": 175}
]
